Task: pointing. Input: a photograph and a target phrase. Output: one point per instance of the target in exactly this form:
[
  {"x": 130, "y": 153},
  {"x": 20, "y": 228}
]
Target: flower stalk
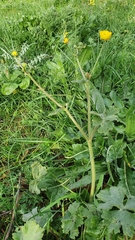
[{"x": 105, "y": 36}]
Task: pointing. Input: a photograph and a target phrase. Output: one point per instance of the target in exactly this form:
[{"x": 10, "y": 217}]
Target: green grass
[{"x": 42, "y": 144}]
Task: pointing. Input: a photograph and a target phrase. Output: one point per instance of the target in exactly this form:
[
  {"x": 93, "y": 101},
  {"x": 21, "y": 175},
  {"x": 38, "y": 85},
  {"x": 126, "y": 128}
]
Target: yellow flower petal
[
  {"x": 66, "y": 40},
  {"x": 14, "y": 53},
  {"x": 105, "y": 35}
]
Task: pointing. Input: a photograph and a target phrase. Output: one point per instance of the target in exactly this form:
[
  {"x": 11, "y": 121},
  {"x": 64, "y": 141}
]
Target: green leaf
[
  {"x": 41, "y": 218},
  {"x": 130, "y": 123},
  {"x": 8, "y": 88},
  {"x": 97, "y": 99},
  {"x": 33, "y": 186},
  {"x": 38, "y": 171},
  {"x": 116, "y": 219},
  {"x": 117, "y": 212},
  {"x": 112, "y": 197},
  {"x": 107, "y": 120},
  {"x": 73, "y": 219},
  {"x": 85, "y": 56},
  {"x": 15, "y": 75},
  {"x": 115, "y": 151},
  {"x": 25, "y": 83},
  {"x": 30, "y": 230}
]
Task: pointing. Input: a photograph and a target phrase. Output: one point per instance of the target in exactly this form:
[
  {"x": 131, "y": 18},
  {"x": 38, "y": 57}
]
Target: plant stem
[
  {"x": 43, "y": 91},
  {"x": 93, "y": 170},
  {"x": 97, "y": 59},
  {"x": 76, "y": 124},
  {"x": 90, "y": 133},
  {"x": 59, "y": 105}
]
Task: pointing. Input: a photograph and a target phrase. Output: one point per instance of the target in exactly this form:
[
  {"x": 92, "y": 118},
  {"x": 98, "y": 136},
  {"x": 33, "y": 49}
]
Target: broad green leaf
[
  {"x": 15, "y": 75},
  {"x": 41, "y": 218},
  {"x": 84, "y": 181},
  {"x": 105, "y": 127},
  {"x": 97, "y": 99},
  {"x": 115, "y": 151},
  {"x": 30, "y": 231},
  {"x": 33, "y": 186},
  {"x": 85, "y": 56},
  {"x": 38, "y": 170},
  {"x": 25, "y": 83},
  {"x": 106, "y": 123},
  {"x": 97, "y": 71},
  {"x": 8, "y": 88},
  {"x": 112, "y": 197},
  {"x": 130, "y": 175},
  {"x": 117, "y": 212},
  {"x": 117, "y": 219},
  {"x": 73, "y": 219},
  {"x": 130, "y": 123}
]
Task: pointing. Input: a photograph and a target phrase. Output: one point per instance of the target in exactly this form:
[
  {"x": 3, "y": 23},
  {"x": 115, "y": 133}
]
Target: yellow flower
[
  {"x": 66, "y": 40},
  {"x": 14, "y": 53},
  {"x": 92, "y": 2},
  {"x": 105, "y": 35}
]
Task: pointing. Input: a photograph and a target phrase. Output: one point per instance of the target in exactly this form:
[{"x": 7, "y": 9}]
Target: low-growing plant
[{"x": 72, "y": 133}]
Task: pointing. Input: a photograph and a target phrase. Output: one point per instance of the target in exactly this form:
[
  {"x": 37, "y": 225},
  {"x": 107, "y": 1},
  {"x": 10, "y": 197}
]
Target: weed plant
[{"x": 66, "y": 103}]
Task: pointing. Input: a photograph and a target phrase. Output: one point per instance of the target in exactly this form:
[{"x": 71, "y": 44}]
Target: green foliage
[
  {"x": 38, "y": 139},
  {"x": 37, "y": 172},
  {"x": 117, "y": 211},
  {"x": 130, "y": 119},
  {"x": 30, "y": 230}
]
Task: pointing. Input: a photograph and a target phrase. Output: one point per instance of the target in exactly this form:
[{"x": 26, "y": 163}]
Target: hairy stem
[
  {"x": 90, "y": 132},
  {"x": 93, "y": 170}
]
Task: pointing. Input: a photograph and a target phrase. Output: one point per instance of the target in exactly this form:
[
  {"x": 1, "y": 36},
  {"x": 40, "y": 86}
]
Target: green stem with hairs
[{"x": 90, "y": 132}]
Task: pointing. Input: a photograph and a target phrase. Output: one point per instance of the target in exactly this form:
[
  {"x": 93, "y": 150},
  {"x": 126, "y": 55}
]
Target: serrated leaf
[
  {"x": 130, "y": 204},
  {"x": 112, "y": 197},
  {"x": 107, "y": 122},
  {"x": 30, "y": 230},
  {"x": 33, "y": 187},
  {"x": 25, "y": 83},
  {"x": 38, "y": 170},
  {"x": 73, "y": 219},
  {"x": 105, "y": 127},
  {"x": 40, "y": 218},
  {"x": 117, "y": 219},
  {"x": 121, "y": 217},
  {"x": 8, "y": 88}
]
